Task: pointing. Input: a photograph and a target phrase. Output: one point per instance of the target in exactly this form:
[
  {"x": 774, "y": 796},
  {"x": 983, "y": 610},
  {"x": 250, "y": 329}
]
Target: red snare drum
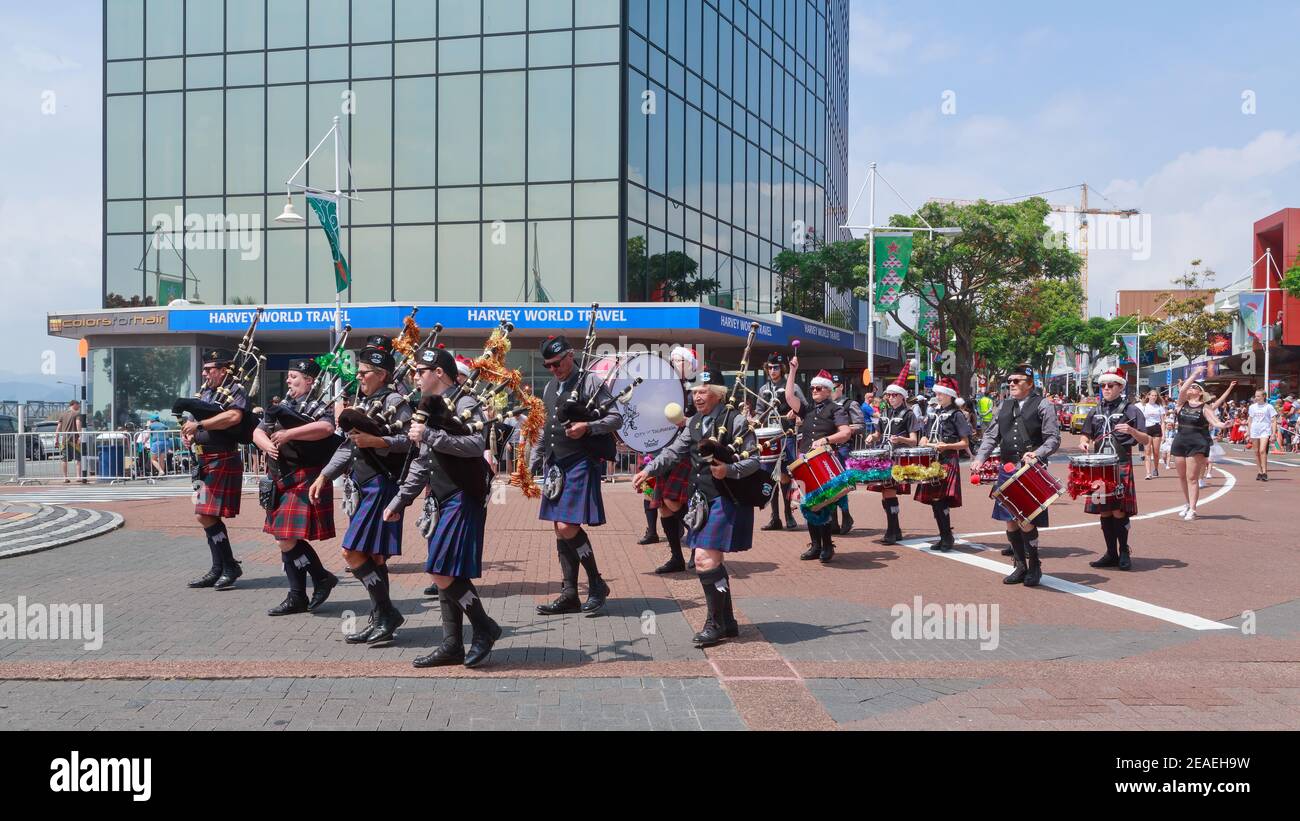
[
  {"x": 925, "y": 457},
  {"x": 1095, "y": 474},
  {"x": 771, "y": 441},
  {"x": 988, "y": 474},
  {"x": 1027, "y": 492},
  {"x": 814, "y": 469}
]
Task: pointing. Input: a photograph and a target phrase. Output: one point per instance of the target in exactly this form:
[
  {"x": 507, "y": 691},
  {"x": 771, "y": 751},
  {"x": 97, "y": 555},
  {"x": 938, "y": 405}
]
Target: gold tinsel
[
  {"x": 406, "y": 342},
  {"x": 491, "y": 367}
]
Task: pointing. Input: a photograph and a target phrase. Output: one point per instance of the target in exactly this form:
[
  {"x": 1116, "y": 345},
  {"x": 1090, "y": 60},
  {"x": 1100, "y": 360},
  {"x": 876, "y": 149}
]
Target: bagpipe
[
  {"x": 314, "y": 406},
  {"x": 242, "y": 374},
  {"x": 575, "y": 408},
  {"x": 720, "y": 447}
]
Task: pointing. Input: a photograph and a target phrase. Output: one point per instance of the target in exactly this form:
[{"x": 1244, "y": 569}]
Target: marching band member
[
  {"x": 897, "y": 427},
  {"x": 824, "y": 423},
  {"x": 948, "y": 432},
  {"x": 370, "y": 540},
  {"x": 857, "y": 427},
  {"x": 671, "y": 493},
  {"x": 1123, "y": 425},
  {"x": 774, "y": 401},
  {"x": 1028, "y": 431},
  {"x": 574, "y": 455},
  {"x": 727, "y": 527},
  {"x": 220, "y": 468},
  {"x": 297, "y": 456},
  {"x": 452, "y": 467}
]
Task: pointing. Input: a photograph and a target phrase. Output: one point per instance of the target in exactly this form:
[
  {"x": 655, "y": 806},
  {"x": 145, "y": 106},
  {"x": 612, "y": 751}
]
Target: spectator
[
  {"x": 158, "y": 445},
  {"x": 70, "y": 432}
]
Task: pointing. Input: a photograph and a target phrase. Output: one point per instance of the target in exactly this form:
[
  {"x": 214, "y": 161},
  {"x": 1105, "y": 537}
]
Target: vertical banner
[
  {"x": 1251, "y": 307},
  {"x": 928, "y": 315},
  {"x": 893, "y": 256},
  {"x": 1130, "y": 346},
  {"x": 327, "y": 211}
]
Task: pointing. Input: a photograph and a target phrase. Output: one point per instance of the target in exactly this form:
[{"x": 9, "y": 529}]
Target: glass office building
[{"x": 503, "y": 150}]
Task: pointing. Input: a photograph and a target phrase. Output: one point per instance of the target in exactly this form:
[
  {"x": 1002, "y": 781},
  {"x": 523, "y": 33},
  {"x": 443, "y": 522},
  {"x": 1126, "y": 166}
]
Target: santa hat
[
  {"x": 689, "y": 359},
  {"x": 464, "y": 366},
  {"x": 1115, "y": 374},
  {"x": 823, "y": 380},
  {"x": 900, "y": 384},
  {"x": 946, "y": 386}
]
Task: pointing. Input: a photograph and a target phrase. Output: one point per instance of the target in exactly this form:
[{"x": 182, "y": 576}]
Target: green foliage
[
  {"x": 1291, "y": 278},
  {"x": 668, "y": 277},
  {"x": 1188, "y": 323}
]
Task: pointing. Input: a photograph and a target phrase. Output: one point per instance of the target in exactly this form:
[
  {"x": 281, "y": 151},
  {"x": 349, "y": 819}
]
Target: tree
[
  {"x": 807, "y": 277},
  {"x": 1000, "y": 245},
  {"x": 112, "y": 300},
  {"x": 1189, "y": 323},
  {"x": 1291, "y": 279},
  {"x": 670, "y": 277}
]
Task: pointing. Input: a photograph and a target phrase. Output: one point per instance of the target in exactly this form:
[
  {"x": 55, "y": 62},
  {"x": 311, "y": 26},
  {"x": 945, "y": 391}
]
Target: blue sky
[{"x": 1143, "y": 101}]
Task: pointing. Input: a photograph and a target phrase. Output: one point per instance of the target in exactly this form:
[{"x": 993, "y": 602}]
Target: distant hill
[{"x": 18, "y": 391}]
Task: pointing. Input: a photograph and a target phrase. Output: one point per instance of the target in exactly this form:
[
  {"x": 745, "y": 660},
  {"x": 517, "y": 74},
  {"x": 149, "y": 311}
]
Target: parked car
[
  {"x": 8, "y": 451},
  {"x": 48, "y": 438},
  {"x": 1081, "y": 412},
  {"x": 1063, "y": 414}
]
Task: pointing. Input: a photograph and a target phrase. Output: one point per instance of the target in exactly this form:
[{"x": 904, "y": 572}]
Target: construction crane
[{"x": 1081, "y": 209}]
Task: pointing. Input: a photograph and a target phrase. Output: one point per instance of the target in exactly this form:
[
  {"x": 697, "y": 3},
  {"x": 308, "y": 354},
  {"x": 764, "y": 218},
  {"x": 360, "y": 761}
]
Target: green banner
[
  {"x": 893, "y": 255},
  {"x": 927, "y": 314},
  {"x": 169, "y": 288},
  {"x": 327, "y": 211}
]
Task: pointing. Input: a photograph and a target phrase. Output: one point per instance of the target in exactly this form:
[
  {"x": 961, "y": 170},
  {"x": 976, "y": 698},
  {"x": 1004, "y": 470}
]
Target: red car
[{"x": 1063, "y": 413}]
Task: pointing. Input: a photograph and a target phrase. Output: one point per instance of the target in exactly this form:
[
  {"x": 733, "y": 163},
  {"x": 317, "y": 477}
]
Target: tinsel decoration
[
  {"x": 408, "y": 341},
  {"x": 874, "y": 470},
  {"x": 920, "y": 474},
  {"x": 338, "y": 366},
  {"x": 1080, "y": 485}
]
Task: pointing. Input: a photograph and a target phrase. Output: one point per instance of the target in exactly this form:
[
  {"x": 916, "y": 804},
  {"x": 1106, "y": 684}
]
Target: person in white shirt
[
  {"x": 1153, "y": 412},
  {"x": 1263, "y": 428}
]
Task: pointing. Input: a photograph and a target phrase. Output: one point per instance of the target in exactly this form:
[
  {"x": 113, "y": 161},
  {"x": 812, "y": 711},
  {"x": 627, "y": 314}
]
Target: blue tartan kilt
[
  {"x": 580, "y": 502},
  {"x": 729, "y": 528},
  {"x": 456, "y": 548},
  {"x": 1002, "y": 514},
  {"x": 368, "y": 532}
]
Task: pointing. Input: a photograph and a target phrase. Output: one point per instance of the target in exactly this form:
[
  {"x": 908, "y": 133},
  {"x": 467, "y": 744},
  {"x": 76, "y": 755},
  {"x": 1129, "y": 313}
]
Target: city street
[{"x": 1202, "y": 633}]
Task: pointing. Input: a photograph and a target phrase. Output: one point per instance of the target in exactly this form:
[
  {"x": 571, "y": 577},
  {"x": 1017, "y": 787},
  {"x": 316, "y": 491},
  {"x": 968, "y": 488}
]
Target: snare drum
[
  {"x": 876, "y": 463},
  {"x": 1027, "y": 492},
  {"x": 816, "y": 470},
  {"x": 920, "y": 465},
  {"x": 1095, "y": 474},
  {"x": 770, "y": 443}
]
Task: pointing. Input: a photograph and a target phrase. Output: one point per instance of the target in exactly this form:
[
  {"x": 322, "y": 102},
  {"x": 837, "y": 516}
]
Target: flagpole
[
  {"x": 1268, "y": 318},
  {"x": 871, "y": 274}
]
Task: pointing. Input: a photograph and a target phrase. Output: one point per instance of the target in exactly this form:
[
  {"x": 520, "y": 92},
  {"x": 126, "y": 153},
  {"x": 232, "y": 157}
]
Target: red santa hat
[
  {"x": 1115, "y": 374},
  {"x": 900, "y": 384},
  {"x": 946, "y": 386},
  {"x": 689, "y": 359},
  {"x": 823, "y": 380},
  {"x": 465, "y": 366}
]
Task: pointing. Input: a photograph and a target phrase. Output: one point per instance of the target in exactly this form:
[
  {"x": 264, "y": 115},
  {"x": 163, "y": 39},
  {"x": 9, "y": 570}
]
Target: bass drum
[{"x": 646, "y": 427}]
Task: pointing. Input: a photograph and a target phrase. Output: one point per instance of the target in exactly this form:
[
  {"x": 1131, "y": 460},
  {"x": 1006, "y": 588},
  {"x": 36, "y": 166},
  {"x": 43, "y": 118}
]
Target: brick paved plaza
[{"x": 817, "y": 649}]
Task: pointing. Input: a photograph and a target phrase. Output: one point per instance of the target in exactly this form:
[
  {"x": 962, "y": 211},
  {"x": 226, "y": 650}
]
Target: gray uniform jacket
[
  {"x": 425, "y": 465},
  {"x": 554, "y": 444},
  {"x": 1046, "y": 418},
  {"x": 346, "y": 457}
]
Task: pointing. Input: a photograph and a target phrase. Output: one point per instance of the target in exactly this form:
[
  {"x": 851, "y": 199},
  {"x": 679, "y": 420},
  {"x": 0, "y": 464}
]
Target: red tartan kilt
[
  {"x": 223, "y": 485},
  {"x": 1128, "y": 503},
  {"x": 949, "y": 489},
  {"x": 295, "y": 517},
  {"x": 675, "y": 487}
]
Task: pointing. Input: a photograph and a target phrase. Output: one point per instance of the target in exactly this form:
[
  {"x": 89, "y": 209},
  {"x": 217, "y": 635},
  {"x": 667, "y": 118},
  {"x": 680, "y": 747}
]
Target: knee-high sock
[
  {"x": 776, "y": 501},
  {"x": 315, "y": 568},
  {"x": 467, "y": 597},
  {"x": 941, "y": 518},
  {"x": 586, "y": 556},
  {"x": 673, "y": 530},
  {"x": 452, "y": 621},
  {"x": 651, "y": 516},
  {"x": 568, "y": 566},
  {"x": 295, "y": 567},
  {"x": 1030, "y": 539},
  {"x": 709, "y": 580},
  {"x": 891, "y": 512},
  {"x": 1017, "y": 539},
  {"x": 1121, "y": 531},
  {"x": 1108, "y": 531},
  {"x": 218, "y": 543},
  {"x": 788, "y": 492},
  {"x": 375, "y": 579}
]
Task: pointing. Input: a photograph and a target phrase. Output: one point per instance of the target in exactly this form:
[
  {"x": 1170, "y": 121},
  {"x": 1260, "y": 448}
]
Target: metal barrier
[{"x": 105, "y": 456}]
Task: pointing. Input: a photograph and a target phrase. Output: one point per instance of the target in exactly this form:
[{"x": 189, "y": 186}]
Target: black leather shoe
[
  {"x": 1125, "y": 562},
  {"x": 566, "y": 603},
  {"x": 828, "y": 552},
  {"x": 596, "y": 593},
  {"x": 690, "y": 563},
  {"x": 386, "y": 626},
  {"x": 791, "y": 524},
  {"x": 1109, "y": 560},
  {"x": 1034, "y": 574},
  {"x": 293, "y": 603},
  {"x": 361, "y": 635},
  {"x": 228, "y": 577},
  {"x": 321, "y": 591},
  {"x": 431, "y": 590},
  {"x": 674, "y": 565},
  {"x": 1006, "y": 551},
  {"x": 709, "y": 636},
  {"x": 207, "y": 579},
  {"x": 943, "y": 545},
  {"x": 846, "y": 526},
  {"x": 649, "y": 538},
  {"x": 1018, "y": 575},
  {"x": 814, "y": 551},
  {"x": 481, "y": 647},
  {"x": 892, "y": 537},
  {"x": 442, "y": 656},
  {"x": 774, "y": 524}
]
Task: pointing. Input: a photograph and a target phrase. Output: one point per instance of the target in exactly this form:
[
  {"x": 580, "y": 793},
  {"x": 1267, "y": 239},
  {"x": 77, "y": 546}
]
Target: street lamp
[
  {"x": 70, "y": 385},
  {"x": 289, "y": 214}
]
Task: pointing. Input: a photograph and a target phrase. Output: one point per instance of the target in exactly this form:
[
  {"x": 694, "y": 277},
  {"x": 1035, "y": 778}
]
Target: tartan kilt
[
  {"x": 1128, "y": 503},
  {"x": 223, "y": 484},
  {"x": 675, "y": 487},
  {"x": 728, "y": 528},
  {"x": 295, "y": 517},
  {"x": 580, "y": 502},
  {"x": 456, "y": 548},
  {"x": 949, "y": 489},
  {"x": 368, "y": 532}
]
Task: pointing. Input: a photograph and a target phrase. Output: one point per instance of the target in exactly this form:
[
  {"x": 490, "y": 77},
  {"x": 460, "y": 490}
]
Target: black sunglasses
[{"x": 550, "y": 366}]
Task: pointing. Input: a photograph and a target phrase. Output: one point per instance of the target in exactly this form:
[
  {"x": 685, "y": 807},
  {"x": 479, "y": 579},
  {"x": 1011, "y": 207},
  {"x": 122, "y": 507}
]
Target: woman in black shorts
[
  {"x": 1191, "y": 448},
  {"x": 1153, "y": 413}
]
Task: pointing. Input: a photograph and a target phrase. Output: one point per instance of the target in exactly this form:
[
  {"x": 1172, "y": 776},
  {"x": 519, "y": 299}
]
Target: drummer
[
  {"x": 824, "y": 424},
  {"x": 1115, "y": 425},
  {"x": 858, "y": 426},
  {"x": 774, "y": 409},
  {"x": 948, "y": 431},
  {"x": 1027, "y": 429},
  {"x": 897, "y": 427}
]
